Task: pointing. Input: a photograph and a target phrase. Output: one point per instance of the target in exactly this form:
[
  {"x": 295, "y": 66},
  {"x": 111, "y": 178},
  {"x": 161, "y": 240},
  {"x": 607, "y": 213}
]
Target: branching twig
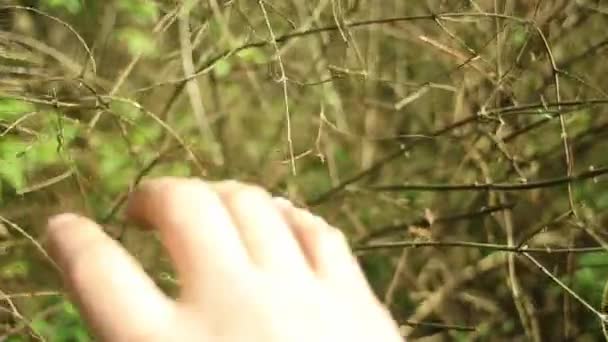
[
  {"x": 283, "y": 81},
  {"x": 477, "y": 245},
  {"x": 66, "y": 25},
  {"x": 439, "y": 326},
  {"x": 29, "y": 237}
]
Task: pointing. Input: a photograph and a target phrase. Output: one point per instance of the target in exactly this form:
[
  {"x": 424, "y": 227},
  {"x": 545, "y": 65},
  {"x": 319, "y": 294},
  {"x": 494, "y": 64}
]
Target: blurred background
[{"x": 460, "y": 145}]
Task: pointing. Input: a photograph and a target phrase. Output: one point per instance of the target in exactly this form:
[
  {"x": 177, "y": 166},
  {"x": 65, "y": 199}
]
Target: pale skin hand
[{"x": 251, "y": 267}]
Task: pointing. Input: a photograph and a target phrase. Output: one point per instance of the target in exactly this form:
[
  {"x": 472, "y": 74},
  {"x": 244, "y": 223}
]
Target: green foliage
[
  {"x": 589, "y": 282},
  {"x": 11, "y": 109},
  {"x": 590, "y": 278},
  {"x": 13, "y": 167},
  {"x": 142, "y": 11},
  {"x": 65, "y": 325},
  {"x": 378, "y": 270},
  {"x": 255, "y": 56},
  {"x": 137, "y": 38},
  {"x": 579, "y": 121},
  {"x": 222, "y": 68},
  {"x": 592, "y": 196},
  {"x": 15, "y": 269},
  {"x": 72, "y": 6},
  {"x": 138, "y": 42},
  {"x": 19, "y": 157},
  {"x": 520, "y": 34}
]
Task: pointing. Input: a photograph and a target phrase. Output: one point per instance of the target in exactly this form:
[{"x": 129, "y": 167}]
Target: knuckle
[
  {"x": 175, "y": 193},
  {"x": 239, "y": 191}
]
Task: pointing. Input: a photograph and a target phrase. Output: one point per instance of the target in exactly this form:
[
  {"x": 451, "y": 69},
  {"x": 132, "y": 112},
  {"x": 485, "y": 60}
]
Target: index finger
[{"x": 116, "y": 297}]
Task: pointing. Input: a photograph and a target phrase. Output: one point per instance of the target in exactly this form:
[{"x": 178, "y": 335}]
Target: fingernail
[{"x": 55, "y": 242}]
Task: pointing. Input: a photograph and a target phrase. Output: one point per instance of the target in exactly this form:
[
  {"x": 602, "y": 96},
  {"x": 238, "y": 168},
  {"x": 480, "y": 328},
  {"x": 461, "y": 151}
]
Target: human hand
[{"x": 251, "y": 268}]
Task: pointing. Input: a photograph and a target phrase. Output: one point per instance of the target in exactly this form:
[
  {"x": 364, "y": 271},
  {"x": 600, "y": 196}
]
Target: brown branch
[
  {"x": 539, "y": 105},
  {"x": 423, "y": 222},
  {"x": 494, "y": 186},
  {"x": 477, "y": 245},
  {"x": 439, "y": 326}
]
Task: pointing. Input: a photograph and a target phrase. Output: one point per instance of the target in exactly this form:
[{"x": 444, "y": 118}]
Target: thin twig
[
  {"x": 283, "y": 81},
  {"x": 122, "y": 198},
  {"x": 568, "y": 290},
  {"x": 424, "y": 222},
  {"x": 29, "y": 237},
  {"x": 495, "y": 186},
  {"x": 478, "y": 245},
  {"x": 66, "y": 25},
  {"x": 440, "y": 326}
]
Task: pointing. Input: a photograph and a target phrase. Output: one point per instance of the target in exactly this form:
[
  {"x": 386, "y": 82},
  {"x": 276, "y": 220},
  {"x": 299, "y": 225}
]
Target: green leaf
[
  {"x": 13, "y": 174},
  {"x": 137, "y": 42},
  {"x": 72, "y": 6},
  {"x": 42, "y": 327},
  {"x": 12, "y": 167},
  {"x": 144, "y": 133},
  {"x": 80, "y": 334},
  {"x": 142, "y": 11},
  {"x": 15, "y": 269},
  {"x": 519, "y": 35},
  {"x": 54, "y": 138},
  {"x": 593, "y": 259},
  {"x": 222, "y": 68},
  {"x": 252, "y": 55},
  {"x": 111, "y": 160},
  {"x": 70, "y": 309},
  {"x": 125, "y": 109},
  {"x": 11, "y": 109},
  {"x": 589, "y": 280}
]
